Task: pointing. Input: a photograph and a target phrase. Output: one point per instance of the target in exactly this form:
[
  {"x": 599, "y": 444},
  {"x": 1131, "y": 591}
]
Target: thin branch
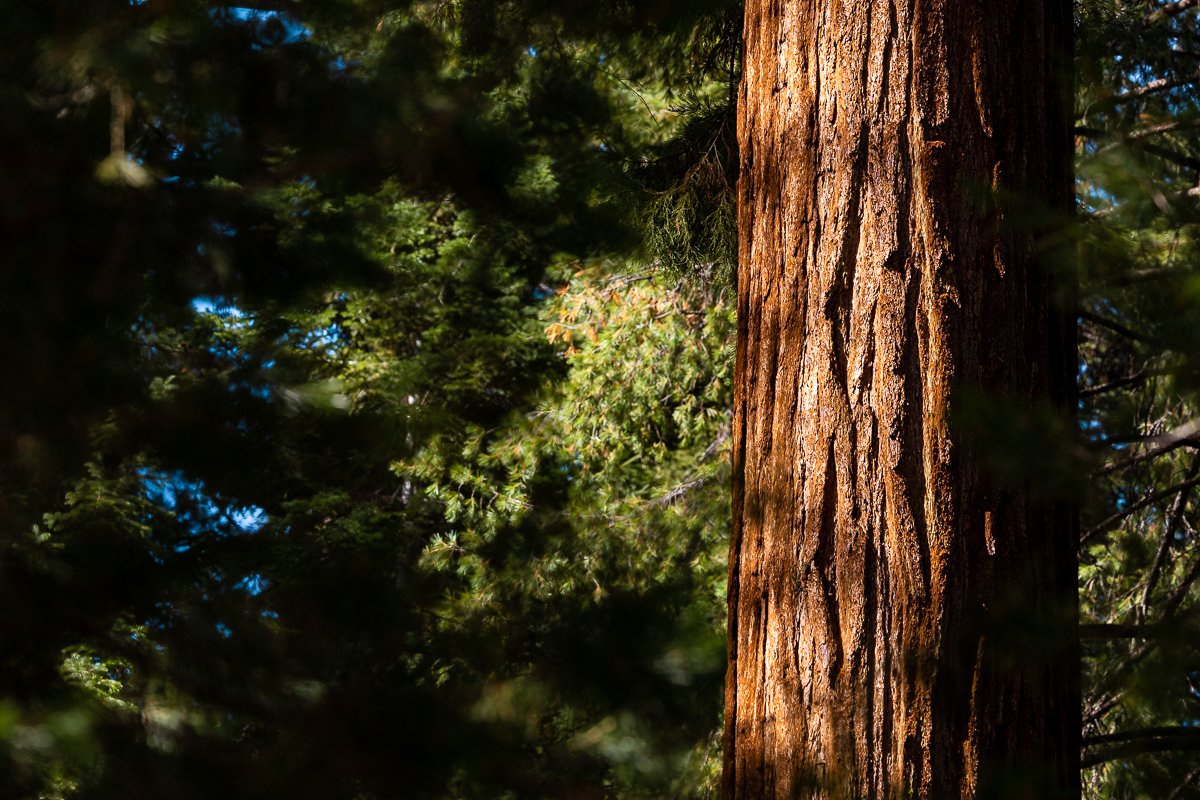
[
  {"x": 1113, "y": 630},
  {"x": 617, "y": 281},
  {"x": 1173, "y": 156},
  {"x": 1101, "y": 708},
  {"x": 1155, "y": 130},
  {"x": 723, "y": 434},
  {"x": 1177, "y": 597},
  {"x": 1115, "y": 327},
  {"x": 1141, "y": 733},
  {"x": 1169, "y": 10},
  {"x": 693, "y": 481},
  {"x": 1168, "y": 536},
  {"x": 1149, "y": 644},
  {"x": 679, "y": 491},
  {"x": 1184, "y": 784},
  {"x": 1152, "y": 87},
  {"x": 122, "y": 110},
  {"x": 1119, "y": 383},
  {"x": 1185, "y": 434},
  {"x": 1136, "y": 93},
  {"x": 1138, "y": 742},
  {"x": 1147, "y": 275},
  {"x": 1111, "y": 521}
]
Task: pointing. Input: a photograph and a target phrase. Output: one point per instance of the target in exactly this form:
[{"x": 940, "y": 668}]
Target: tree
[
  {"x": 1138, "y": 156},
  {"x": 902, "y": 605},
  {"x": 273, "y": 339}
]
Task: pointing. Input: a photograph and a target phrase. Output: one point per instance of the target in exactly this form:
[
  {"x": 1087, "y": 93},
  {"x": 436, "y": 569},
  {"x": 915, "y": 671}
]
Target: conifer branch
[
  {"x": 1140, "y": 741},
  {"x": 1168, "y": 536},
  {"x": 1169, "y": 10},
  {"x": 1113, "y": 519},
  {"x": 1120, "y": 383},
  {"x": 1115, "y": 327},
  {"x": 1116, "y": 630},
  {"x": 1183, "y": 435}
]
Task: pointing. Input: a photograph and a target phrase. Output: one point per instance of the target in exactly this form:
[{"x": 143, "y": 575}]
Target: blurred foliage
[
  {"x": 1138, "y": 170},
  {"x": 331, "y": 463}
]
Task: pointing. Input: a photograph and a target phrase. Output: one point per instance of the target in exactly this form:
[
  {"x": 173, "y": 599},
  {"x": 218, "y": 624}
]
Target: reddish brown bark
[{"x": 900, "y": 620}]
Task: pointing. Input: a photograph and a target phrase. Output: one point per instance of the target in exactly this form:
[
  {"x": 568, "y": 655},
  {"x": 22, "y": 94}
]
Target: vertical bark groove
[{"x": 880, "y": 576}]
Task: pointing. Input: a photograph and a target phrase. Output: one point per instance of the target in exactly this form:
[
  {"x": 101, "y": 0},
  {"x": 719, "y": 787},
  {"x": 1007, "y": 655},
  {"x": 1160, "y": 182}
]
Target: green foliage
[
  {"x": 299, "y": 497},
  {"x": 1137, "y": 170},
  {"x": 689, "y": 218},
  {"x": 596, "y": 521}
]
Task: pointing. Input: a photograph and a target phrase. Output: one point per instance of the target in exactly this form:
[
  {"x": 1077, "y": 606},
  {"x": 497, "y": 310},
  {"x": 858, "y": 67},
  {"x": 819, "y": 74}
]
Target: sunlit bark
[{"x": 901, "y": 620}]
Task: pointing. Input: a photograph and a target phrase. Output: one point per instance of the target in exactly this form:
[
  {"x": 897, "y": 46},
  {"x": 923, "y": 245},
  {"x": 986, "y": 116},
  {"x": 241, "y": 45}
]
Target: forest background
[{"x": 366, "y": 389}]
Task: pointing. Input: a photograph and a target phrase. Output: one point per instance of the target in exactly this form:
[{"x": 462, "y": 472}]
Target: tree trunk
[{"x": 901, "y": 618}]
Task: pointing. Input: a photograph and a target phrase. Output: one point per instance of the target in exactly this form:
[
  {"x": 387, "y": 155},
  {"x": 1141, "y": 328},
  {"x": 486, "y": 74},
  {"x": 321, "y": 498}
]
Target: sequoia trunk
[{"x": 901, "y": 619}]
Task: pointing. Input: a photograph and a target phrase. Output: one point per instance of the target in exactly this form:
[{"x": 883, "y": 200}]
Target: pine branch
[
  {"x": 1173, "y": 156},
  {"x": 1184, "y": 784},
  {"x": 1115, "y": 630},
  {"x": 1113, "y": 519},
  {"x": 1166, "y": 153},
  {"x": 1136, "y": 93},
  {"x": 1177, "y": 597},
  {"x": 1115, "y": 327},
  {"x": 679, "y": 491},
  {"x": 1152, "y": 87},
  {"x": 1165, "y": 127},
  {"x": 1147, "y": 275},
  {"x": 1169, "y": 10},
  {"x": 1168, "y": 536},
  {"x": 1140, "y": 741},
  {"x": 1183, "y": 435},
  {"x": 1101, "y": 708},
  {"x": 1119, "y": 383},
  {"x": 1141, "y": 733}
]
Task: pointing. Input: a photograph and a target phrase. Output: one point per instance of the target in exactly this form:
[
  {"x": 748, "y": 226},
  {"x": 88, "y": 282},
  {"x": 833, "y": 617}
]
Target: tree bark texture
[{"x": 901, "y": 619}]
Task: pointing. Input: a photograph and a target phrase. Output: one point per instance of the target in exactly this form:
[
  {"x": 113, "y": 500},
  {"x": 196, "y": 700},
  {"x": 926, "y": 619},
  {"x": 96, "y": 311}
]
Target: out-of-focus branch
[
  {"x": 1109, "y": 522},
  {"x": 1113, "y": 630},
  {"x": 1169, "y": 10},
  {"x": 1115, "y": 327},
  {"x": 1183, "y": 435},
  {"x": 1119, "y": 383},
  {"x": 1137, "y": 742},
  {"x": 1168, "y": 536}
]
